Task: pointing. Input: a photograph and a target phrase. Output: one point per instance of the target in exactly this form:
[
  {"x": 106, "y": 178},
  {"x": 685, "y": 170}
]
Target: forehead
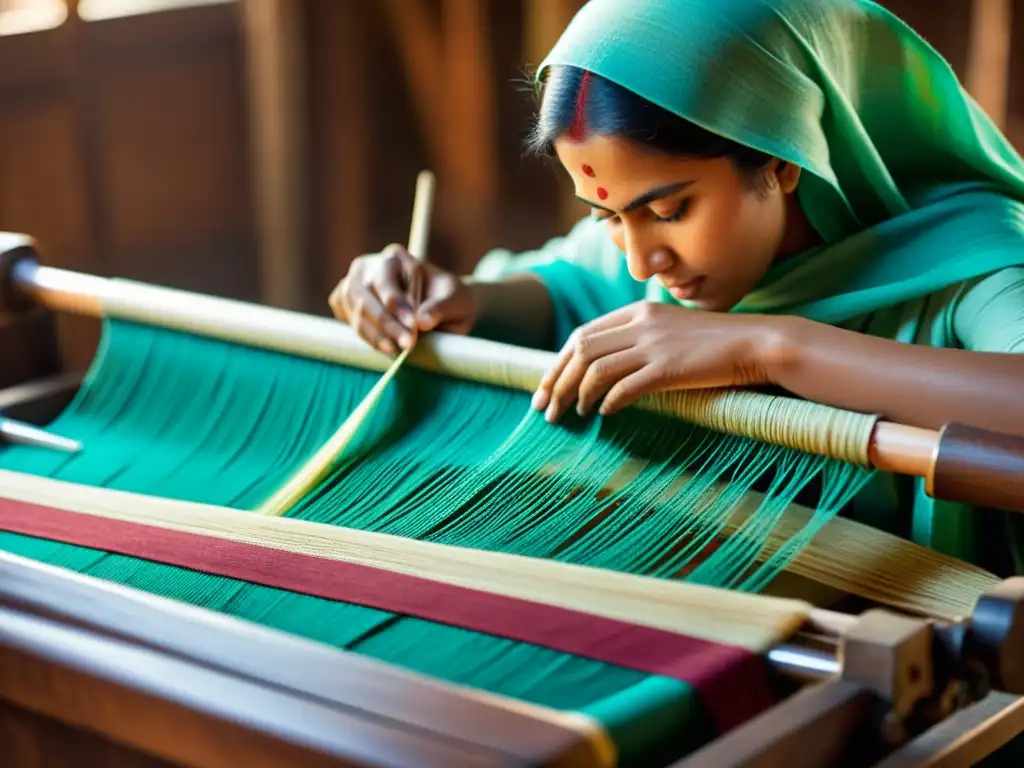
[{"x": 615, "y": 170}]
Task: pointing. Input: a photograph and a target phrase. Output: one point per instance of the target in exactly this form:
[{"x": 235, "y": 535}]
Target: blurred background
[{"x": 252, "y": 148}]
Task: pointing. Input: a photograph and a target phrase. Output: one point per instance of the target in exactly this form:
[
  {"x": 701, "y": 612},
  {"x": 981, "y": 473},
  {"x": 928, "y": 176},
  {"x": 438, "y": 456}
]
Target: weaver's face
[{"x": 694, "y": 225}]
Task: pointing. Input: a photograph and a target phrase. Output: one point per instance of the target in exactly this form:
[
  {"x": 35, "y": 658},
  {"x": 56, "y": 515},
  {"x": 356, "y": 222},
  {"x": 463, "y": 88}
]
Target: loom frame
[{"x": 820, "y": 721}]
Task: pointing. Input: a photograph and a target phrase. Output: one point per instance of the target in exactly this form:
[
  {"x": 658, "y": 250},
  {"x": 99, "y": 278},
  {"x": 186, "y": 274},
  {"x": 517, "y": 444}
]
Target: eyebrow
[{"x": 647, "y": 197}]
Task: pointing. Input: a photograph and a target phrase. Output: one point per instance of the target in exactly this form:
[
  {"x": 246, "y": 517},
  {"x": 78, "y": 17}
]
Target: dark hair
[{"x": 574, "y": 102}]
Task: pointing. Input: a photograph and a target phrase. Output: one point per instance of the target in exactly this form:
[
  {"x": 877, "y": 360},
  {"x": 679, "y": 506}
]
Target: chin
[{"x": 708, "y": 304}]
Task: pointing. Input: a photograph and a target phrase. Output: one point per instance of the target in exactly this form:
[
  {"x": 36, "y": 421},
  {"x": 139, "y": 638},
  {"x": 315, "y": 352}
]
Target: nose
[{"x": 644, "y": 257}]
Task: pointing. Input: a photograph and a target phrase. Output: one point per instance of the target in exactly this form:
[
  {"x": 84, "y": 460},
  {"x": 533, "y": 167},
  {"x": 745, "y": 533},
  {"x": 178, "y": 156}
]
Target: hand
[
  {"x": 650, "y": 347},
  {"x": 377, "y": 298}
]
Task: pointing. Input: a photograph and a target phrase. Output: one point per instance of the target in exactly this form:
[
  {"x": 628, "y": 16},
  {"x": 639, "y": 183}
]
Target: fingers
[
  {"x": 626, "y": 391},
  {"x": 382, "y": 325},
  {"x": 374, "y": 299},
  {"x": 394, "y": 281},
  {"x": 603, "y": 375},
  {"x": 542, "y": 397},
  {"x": 560, "y": 387},
  {"x": 446, "y": 306}
]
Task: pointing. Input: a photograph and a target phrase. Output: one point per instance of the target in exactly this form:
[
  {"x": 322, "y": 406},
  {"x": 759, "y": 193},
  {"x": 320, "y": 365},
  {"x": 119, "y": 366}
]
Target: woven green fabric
[
  {"x": 911, "y": 187},
  {"x": 184, "y": 417}
]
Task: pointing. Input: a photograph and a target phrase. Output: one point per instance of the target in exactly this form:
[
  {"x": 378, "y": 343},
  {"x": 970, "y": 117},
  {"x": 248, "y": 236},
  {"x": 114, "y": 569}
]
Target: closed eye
[
  {"x": 679, "y": 213},
  {"x": 602, "y": 215}
]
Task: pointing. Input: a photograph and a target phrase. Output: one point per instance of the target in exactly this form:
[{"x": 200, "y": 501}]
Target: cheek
[
  {"x": 743, "y": 229},
  {"x": 709, "y": 234}
]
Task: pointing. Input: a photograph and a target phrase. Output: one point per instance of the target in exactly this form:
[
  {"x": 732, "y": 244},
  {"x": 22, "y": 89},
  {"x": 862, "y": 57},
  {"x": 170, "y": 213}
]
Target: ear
[{"x": 788, "y": 176}]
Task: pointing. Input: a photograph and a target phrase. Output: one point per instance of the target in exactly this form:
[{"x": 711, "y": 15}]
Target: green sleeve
[
  {"x": 584, "y": 272},
  {"x": 989, "y": 316}
]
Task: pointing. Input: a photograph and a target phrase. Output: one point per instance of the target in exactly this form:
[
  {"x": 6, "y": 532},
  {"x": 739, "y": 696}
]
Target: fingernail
[
  {"x": 387, "y": 347},
  {"x": 551, "y": 414},
  {"x": 405, "y": 317},
  {"x": 405, "y": 340},
  {"x": 540, "y": 400},
  {"x": 581, "y": 409}
]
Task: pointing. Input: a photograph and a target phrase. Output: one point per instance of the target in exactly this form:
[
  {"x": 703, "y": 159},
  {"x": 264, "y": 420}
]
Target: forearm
[
  {"x": 910, "y": 384},
  {"x": 516, "y": 310}
]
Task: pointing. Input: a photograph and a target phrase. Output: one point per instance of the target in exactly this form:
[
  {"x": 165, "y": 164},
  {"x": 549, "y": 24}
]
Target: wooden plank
[
  {"x": 344, "y": 682},
  {"x": 30, "y": 739},
  {"x": 189, "y": 714}
]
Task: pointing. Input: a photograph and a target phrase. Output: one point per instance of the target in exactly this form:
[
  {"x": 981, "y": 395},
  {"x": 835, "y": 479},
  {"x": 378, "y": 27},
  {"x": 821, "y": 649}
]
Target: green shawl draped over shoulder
[{"x": 911, "y": 187}]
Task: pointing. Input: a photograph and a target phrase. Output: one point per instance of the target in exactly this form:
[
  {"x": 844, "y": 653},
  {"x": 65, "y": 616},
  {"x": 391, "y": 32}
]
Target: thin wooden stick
[
  {"x": 422, "y": 208},
  {"x": 318, "y": 467},
  {"x": 419, "y": 235}
]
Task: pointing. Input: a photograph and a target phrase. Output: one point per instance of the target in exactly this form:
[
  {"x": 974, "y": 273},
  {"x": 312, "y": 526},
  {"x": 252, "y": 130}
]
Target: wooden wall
[
  {"x": 123, "y": 149},
  {"x": 126, "y": 144}
]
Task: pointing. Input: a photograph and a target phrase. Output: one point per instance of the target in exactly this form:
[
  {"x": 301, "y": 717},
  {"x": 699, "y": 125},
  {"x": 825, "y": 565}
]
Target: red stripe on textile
[{"x": 731, "y": 681}]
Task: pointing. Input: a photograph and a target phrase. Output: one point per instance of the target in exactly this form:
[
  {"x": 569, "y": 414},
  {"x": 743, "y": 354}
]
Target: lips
[{"x": 686, "y": 291}]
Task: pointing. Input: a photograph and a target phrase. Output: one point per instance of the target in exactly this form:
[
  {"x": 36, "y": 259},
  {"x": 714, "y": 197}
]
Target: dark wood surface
[
  {"x": 980, "y": 467},
  {"x": 200, "y": 668},
  {"x": 28, "y": 347},
  {"x": 826, "y": 724},
  {"x": 188, "y": 714},
  {"x": 31, "y": 740}
]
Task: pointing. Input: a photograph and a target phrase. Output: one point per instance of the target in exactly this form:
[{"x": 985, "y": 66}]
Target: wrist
[{"x": 781, "y": 346}]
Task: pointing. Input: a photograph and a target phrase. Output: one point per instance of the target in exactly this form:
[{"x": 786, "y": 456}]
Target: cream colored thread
[{"x": 844, "y": 555}]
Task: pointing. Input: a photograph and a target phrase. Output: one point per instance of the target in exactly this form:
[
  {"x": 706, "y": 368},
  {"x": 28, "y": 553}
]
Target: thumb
[{"x": 446, "y": 300}]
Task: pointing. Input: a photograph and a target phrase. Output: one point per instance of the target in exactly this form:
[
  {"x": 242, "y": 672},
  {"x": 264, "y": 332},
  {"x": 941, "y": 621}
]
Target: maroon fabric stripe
[{"x": 731, "y": 681}]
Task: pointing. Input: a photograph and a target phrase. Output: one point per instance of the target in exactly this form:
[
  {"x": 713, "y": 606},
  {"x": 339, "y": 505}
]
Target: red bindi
[
  {"x": 602, "y": 193},
  {"x": 588, "y": 171}
]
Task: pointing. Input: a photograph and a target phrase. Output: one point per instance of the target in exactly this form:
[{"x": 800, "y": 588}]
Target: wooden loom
[{"x": 118, "y": 672}]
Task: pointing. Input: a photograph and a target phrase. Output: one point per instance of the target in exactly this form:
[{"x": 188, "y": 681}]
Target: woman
[{"x": 809, "y": 177}]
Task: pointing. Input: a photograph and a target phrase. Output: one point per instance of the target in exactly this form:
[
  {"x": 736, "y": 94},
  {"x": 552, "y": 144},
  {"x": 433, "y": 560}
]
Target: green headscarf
[{"x": 911, "y": 186}]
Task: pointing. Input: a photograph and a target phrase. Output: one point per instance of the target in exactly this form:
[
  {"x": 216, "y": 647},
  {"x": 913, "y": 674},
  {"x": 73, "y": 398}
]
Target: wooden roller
[{"x": 958, "y": 463}]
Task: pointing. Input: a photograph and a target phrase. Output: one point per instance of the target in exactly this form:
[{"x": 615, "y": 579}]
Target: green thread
[{"x": 176, "y": 415}]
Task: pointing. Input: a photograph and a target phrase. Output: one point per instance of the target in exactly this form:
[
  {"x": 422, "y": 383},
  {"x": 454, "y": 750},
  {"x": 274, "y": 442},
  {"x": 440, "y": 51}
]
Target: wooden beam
[
  {"x": 421, "y": 49},
  {"x": 278, "y": 122},
  {"x": 988, "y": 57},
  {"x": 344, "y": 138},
  {"x": 472, "y": 151}
]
